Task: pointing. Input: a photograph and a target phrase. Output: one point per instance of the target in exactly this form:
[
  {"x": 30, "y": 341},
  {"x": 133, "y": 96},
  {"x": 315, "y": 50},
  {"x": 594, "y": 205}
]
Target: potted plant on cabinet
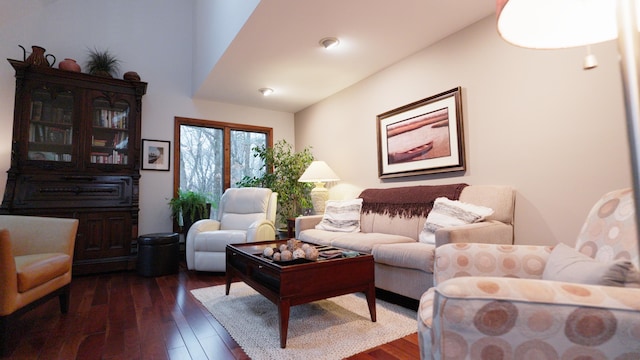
[
  {"x": 102, "y": 63},
  {"x": 189, "y": 207},
  {"x": 282, "y": 169}
]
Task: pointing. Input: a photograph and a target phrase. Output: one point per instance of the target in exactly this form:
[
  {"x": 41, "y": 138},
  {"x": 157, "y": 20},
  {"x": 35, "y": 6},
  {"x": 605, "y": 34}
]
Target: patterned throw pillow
[
  {"x": 341, "y": 215},
  {"x": 446, "y": 213},
  {"x": 567, "y": 264}
]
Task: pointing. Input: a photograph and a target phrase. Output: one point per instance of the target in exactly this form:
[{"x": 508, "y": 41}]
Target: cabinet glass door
[
  {"x": 50, "y": 126},
  {"x": 110, "y": 132}
]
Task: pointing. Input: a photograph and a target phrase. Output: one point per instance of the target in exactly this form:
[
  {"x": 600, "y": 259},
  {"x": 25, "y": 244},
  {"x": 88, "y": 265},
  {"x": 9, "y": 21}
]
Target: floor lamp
[
  {"x": 319, "y": 173},
  {"x": 553, "y": 24}
]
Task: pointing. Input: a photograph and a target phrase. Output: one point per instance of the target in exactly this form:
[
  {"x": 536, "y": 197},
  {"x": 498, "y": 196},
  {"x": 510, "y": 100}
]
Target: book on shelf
[
  {"x": 113, "y": 157},
  {"x": 98, "y": 142},
  {"x": 48, "y": 156},
  {"x": 55, "y": 135},
  {"x": 109, "y": 118},
  {"x": 36, "y": 110}
]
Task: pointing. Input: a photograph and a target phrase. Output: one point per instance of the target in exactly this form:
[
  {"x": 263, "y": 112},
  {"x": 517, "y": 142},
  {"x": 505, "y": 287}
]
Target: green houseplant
[
  {"x": 283, "y": 167},
  {"x": 189, "y": 207},
  {"x": 102, "y": 63}
]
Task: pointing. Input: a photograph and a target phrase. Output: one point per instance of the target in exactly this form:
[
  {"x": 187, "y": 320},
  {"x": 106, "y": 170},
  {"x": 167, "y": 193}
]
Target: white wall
[
  {"x": 533, "y": 119},
  {"x": 149, "y": 37}
]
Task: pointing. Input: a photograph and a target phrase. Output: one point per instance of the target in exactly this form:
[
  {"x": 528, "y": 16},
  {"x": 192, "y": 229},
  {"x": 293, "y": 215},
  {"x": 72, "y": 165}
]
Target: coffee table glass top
[{"x": 325, "y": 252}]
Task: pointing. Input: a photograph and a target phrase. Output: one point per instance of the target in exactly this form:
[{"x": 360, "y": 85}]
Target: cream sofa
[{"x": 403, "y": 264}]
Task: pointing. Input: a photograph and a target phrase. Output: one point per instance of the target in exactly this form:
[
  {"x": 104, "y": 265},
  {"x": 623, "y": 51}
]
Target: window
[{"x": 212, "y": 156}]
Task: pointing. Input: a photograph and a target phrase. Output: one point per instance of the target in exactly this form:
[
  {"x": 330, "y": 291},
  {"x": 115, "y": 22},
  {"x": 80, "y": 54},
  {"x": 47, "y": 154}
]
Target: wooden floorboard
[{"x": 126, "y": 316}]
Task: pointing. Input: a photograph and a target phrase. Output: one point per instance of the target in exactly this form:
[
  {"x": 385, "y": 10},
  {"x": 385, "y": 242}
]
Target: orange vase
[{"x": 69, "y": 65}]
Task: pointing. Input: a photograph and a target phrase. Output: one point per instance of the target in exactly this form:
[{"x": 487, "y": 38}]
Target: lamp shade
[
  {"x": 554, "y": 24},
  {"x": 318, "y": 171}
]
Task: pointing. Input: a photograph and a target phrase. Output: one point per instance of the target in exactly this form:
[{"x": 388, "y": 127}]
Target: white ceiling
[{"x": 278, "y": 46}]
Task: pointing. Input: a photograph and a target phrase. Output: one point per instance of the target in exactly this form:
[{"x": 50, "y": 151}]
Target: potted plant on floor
[
  {"x": 282, "y": 169},
  {"x": 189, "y": 207}
]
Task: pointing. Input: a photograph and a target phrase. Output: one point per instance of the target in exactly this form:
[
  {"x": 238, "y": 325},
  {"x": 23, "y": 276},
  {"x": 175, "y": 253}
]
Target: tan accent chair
[
  {"x": 539, "y": 302},
  {"x": 36, "y": 256},
  {"x": 244, "y": 215}
]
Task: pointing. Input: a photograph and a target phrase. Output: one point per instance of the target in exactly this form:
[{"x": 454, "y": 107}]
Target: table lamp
[
  {"x": 319, "y": 173},
  {"x": 554, "y": 24}
]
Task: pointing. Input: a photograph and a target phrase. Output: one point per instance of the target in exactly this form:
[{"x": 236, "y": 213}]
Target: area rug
[{"x": 334, "y": 328}]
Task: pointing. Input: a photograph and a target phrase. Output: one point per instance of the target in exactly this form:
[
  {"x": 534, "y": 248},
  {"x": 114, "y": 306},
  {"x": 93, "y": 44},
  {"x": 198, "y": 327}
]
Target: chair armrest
[
  {"x": 548, "y": 315},
  {"x": 195, "y": 229},
  {"x": 473, "y": 259},
  {"x": 490, "y": 232},
  {"x": 307, "y": 222},
  {"x": 261, "y": 230},
  {"x": 8, "y": 278}
]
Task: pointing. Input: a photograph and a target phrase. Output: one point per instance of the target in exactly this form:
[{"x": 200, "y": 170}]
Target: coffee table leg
[
  {"x": 229, "y": 278},
  {"x": 371, "y": 301},
  {"x": 283, "y": 311}
]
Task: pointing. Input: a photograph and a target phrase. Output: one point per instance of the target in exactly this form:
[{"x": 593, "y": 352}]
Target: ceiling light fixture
[
  {"x": 265, "y": 91},
  {"x": 329, "y": 42}
]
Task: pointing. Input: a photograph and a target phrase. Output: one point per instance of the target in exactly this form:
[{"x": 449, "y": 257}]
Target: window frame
[{"x": 227, "y": 128}]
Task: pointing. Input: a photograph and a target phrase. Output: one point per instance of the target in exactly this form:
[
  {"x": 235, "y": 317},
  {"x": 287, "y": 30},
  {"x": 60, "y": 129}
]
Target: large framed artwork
[
  {"x": 156, "y": 155},
  {"x": 424, "y": 137}
]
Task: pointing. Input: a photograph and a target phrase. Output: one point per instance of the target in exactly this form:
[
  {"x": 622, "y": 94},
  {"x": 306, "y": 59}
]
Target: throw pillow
[
  {"x": 567, "y": 264},
  {"x": 446, "y": 213},
  {"x": 341, "y": 215}
]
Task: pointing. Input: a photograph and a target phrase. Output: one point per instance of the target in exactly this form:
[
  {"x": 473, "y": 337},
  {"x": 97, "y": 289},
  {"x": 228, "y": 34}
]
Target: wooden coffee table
[{"x": 298, "y": 283}]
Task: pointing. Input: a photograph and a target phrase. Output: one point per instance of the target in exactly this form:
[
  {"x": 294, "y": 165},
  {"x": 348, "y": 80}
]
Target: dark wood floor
[{"x": 126, "y": 316}]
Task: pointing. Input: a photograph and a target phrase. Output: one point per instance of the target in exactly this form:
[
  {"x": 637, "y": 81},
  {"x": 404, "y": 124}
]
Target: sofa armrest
[
  {"x": 306, "y": 222},
  {"x": 261, "y": 230},
  {"x": 490, "y": 232},
  {"x": 548, "y": 315},
  {"x": 473, "y": 259}
]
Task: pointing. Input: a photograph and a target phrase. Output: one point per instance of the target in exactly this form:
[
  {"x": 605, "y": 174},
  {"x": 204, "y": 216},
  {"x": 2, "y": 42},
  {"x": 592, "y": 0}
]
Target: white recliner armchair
[{"x": 244, "y": 215}]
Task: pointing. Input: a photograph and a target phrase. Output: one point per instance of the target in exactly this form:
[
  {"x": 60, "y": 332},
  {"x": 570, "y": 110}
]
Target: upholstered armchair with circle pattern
[{"x": 539, "y": 302}]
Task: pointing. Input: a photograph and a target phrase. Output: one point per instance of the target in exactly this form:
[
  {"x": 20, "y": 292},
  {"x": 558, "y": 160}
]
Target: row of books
[
  {"x": 44, "y": 111},
  {"x": 119, "y": 141},
  {"x": 39, "y": 133},
  {"x": 48, "y": 156},
  {"x": 109, "y": 118},
  {"x": 109, "y": 158}
]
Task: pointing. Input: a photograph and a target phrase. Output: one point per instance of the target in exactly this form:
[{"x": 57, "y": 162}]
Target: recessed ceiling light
[
  {"x": 329, "y": 42},
  {"x": 265, "y": 91}
]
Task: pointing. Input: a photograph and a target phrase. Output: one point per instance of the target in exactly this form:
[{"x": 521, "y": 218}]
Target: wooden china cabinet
[{"x": 76, "y": 153}]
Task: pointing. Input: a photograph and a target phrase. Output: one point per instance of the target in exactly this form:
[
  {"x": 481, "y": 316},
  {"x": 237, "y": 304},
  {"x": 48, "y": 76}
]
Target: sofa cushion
[
  {"x": 35, "y": 270},
  {"x": 567, "y": 264},
  {"x": 341, "y": 215},
  {"x": 364, "y": 242},
  {"x": 446, "y": 213},
  {"x": 319, "y": 237},
  {"x": 413, "y": 255},
  {"x": 396, "y": 225}
]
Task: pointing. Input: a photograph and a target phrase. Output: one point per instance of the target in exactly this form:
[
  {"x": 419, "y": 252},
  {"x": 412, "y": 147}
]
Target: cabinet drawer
[{"x": 61, "y": 191}]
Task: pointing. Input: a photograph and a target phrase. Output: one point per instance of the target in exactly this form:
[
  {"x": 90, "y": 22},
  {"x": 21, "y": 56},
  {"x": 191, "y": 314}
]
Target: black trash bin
[{"x": 158, "y": 254}]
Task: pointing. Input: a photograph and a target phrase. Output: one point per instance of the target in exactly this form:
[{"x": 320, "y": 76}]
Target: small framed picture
[{"x": 156, "y": 155}]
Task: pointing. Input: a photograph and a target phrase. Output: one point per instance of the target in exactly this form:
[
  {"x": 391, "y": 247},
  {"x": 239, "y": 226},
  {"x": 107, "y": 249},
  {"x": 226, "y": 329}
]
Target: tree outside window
[{"x": 213, "y": 156}]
